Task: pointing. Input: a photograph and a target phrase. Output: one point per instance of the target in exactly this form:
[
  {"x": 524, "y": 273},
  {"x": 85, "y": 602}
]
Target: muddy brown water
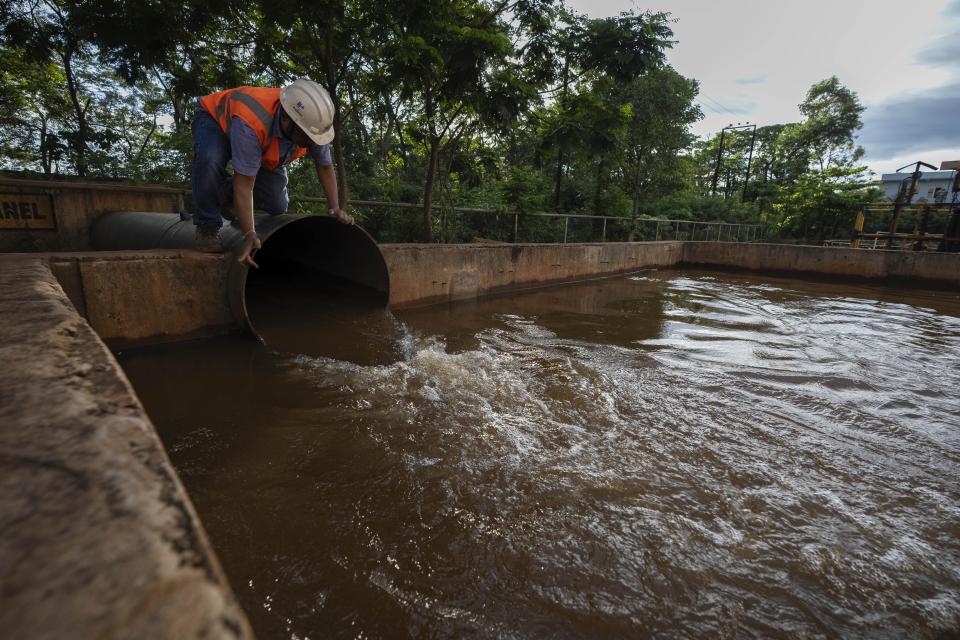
[{"x": 670, "y": 454}]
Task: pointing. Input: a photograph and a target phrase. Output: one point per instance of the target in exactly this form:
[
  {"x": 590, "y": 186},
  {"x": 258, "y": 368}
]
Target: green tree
[
  {"x": 612, "y": 50},
  {"x": 662, "y": 111},
  {"x": 456, "y": 61},
  {"x": 833, "y": 116},
  {"x": 45, "y": 32},
  {"x": 34, "y": 104},
  {"x": 820, "y": 203}
]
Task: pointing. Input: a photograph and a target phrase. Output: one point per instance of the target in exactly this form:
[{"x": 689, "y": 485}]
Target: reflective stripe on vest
[{"x": 266, "y": 119}]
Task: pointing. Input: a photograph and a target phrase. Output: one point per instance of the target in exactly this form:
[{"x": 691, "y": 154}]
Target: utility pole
[
  {"x": 716, "y": 171},
  {"x": 746, "y": 180}
]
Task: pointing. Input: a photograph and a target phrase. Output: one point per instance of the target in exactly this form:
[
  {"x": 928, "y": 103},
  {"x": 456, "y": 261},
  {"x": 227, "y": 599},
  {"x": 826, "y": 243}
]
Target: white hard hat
[{"x": 310, "y": 107}]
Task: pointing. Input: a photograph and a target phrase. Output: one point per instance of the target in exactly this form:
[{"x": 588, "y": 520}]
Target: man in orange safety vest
[{"x": 259, "y": 130}]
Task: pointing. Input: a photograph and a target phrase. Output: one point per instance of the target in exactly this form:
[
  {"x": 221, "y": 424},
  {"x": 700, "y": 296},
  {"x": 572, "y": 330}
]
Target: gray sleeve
[
  {"x": 321, "y": 155},
  {"x": 245, "y": 148}
]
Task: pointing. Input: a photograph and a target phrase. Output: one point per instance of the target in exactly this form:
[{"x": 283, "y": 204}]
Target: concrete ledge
[
  {"x": 427, "y": 274},
  {"x": 942, "y": 269},
  {"x": 99, "y": 539},
  {"x": 146, "y": 297}
]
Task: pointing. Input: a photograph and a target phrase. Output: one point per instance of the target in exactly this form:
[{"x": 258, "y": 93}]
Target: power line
[
  {"x": 716, "y": 104},
  {"x": 719, "y": 104}
]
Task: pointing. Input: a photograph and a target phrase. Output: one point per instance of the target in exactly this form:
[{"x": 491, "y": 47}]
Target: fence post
[
  {"x": 566, "y": 225},
  {"x": 603, "y": 238},
  {"x": 657, "y": 238},
  {"x": 858, "y": 229},
  {"x": 516, "y": 219}
]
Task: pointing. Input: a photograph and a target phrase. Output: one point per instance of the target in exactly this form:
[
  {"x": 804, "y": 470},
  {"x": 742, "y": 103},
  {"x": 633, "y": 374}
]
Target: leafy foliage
[{"x": 513, "y": 105}]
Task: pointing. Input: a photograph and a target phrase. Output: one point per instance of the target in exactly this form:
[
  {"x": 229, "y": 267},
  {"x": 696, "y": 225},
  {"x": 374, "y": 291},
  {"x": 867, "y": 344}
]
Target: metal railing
[
  {"x": 465, "y": 224},
  {"x": 403, "y": 222}
]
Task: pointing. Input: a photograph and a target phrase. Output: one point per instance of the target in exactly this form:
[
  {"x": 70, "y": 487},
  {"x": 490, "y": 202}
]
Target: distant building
[{"x": 934, "y": 186}]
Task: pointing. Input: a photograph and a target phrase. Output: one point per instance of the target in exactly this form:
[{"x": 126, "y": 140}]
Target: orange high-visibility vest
[{"x": 256, "y": 106}]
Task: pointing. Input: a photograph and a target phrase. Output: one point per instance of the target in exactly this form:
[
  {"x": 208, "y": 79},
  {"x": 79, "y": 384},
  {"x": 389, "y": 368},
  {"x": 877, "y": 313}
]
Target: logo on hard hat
[{"x": 299, "y": 107}]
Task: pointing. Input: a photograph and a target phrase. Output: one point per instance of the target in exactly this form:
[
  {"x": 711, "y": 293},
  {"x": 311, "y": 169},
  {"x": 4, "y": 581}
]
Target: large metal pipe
[{"x": 320, "y": 243}]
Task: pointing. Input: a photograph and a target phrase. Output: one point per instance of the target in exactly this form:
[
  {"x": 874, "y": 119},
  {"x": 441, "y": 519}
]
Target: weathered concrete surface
[
  {"x": 426, "y": 274},
  {"x": 156, "y": 296},
  {"x": 938, "y": 268},
  {"x": 99, "y": 539},
  {"x": 76, "y": 205},
  {"x": 147, "y": 297}
]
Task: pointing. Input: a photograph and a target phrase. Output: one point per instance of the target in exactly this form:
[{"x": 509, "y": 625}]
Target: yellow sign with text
[{"x": 26, "y": 211}]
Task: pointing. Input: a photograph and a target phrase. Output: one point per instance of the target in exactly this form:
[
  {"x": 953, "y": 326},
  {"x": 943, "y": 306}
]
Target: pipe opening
[{"x": 321, "y": 290}]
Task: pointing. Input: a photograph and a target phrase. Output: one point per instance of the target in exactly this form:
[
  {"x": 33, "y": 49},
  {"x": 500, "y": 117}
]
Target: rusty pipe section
[{"x": 318, "y": 243}]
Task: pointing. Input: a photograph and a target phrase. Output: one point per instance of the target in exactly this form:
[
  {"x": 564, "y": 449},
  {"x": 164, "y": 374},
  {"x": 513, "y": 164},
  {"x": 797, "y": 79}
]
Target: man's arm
[
  {"x": 246, "y": 152},
  {"x": 243, "y": 211},
  {"x": 328, "y": 180}
]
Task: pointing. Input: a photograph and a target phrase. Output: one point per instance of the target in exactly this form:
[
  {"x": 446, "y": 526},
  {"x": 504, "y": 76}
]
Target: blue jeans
[{"x": 213, "y": 187}]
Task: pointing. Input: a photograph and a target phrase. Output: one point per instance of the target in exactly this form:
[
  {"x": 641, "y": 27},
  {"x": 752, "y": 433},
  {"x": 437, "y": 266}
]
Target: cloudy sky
[{"x": 755, "y": 60}]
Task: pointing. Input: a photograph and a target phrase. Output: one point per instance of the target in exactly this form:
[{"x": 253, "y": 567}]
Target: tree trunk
[
  {"x": 636, "y": 196},
  {"x": 358, "y": 121},
  {"x": 79, "y": 111},
  {"x": 558, "y": 177},
  {"x": 343, "y": 190},
  {"x": 428, "y": 188},
  {"x": 597, "y": 194},
  {"x": 45, "y": 155},
  {"x": 385, "y": 144},
  {"x": 387, "y": 140},
  {"x": 559, "y": 173},
  {"x": 636, "y": 182}
]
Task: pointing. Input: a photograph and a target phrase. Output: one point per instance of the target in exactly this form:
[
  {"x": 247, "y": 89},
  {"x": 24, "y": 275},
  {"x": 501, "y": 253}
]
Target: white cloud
[
  {"x": 754, "y": 80},
  {"x": 884, "y": 50}
]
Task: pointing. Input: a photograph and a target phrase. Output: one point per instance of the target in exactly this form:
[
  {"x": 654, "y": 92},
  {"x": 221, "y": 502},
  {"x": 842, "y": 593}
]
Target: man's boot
[{"x": 208, "y": 238}]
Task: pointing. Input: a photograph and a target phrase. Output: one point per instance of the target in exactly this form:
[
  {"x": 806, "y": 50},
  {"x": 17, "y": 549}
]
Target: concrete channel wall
[
  {"x": 428, "y": 274},
  {"x": 48, "y": 215},
  {"x": 939, "y": 269},
  {"x": 135, "y": 298},
  {"x": 99, "y": 539}
]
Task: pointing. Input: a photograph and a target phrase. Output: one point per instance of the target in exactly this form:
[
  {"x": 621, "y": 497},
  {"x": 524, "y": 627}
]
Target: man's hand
[
  {"x": 249, "y": 248},
  {"x": 342, "y": 216}
]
